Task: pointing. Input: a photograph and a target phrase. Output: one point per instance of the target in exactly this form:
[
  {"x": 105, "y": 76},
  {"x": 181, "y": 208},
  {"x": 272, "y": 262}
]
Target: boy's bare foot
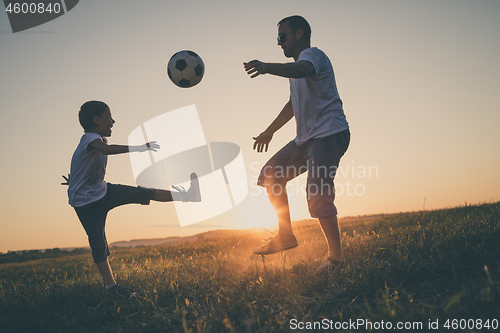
[{"x": 277, "y": 244}]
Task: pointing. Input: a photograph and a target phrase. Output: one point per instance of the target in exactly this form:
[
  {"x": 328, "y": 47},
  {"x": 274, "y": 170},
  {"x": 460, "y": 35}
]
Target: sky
[{"x": 419, "y": 81}]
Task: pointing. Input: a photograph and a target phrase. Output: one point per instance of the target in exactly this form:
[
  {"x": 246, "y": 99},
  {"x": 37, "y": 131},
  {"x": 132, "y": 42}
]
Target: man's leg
[
  {"x": 331, "y": 231},
  {"x": 320, "y": 198},
  {"x": 285, "y": 239},
  {"x": 279, "y": 200},
  {"x": 321, "y": 190},
  {"x": 281, "y": 168}
]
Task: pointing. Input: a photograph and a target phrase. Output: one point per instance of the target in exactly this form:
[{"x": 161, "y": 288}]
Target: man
[{"x": 322, "y": 136}]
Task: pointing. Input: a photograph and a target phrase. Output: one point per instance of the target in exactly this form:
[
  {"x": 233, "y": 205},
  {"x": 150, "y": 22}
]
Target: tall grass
[{"x": 409, "y": 267}]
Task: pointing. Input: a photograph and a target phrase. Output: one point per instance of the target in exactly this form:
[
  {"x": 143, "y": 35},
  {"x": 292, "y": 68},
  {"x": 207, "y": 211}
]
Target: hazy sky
[{"x": 419, "y": 81}]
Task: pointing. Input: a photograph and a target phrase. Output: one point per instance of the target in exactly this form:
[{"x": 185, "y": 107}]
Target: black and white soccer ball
[{"x": 185, "y": 69}]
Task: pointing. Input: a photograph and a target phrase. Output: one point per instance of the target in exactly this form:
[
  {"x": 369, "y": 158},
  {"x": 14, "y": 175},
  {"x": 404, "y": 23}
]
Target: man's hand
[
  {"x": 66, "y": 179},
  {"x": 262, "y": 141},
  {"x": 256, "y": 68},
  {"x": 291, "y": 70}
]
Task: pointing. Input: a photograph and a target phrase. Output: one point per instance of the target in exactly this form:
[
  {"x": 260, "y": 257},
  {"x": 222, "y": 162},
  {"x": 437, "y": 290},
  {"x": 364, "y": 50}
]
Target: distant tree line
[{"x": 28, "y": 255}]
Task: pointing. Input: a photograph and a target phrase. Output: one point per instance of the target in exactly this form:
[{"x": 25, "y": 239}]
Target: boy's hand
[
  {"x": 66, "y": 179},
  {"x": 255, "y": 66},
  {"x": 152, "y": 145}
]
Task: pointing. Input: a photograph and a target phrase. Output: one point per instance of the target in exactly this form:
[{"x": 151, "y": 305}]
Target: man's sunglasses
[{"x": 282, "y": 37}]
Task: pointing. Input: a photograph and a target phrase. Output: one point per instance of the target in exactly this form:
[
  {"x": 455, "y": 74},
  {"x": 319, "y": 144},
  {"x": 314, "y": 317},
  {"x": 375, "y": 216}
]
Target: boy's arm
[
  {"x": 120, "y": 149},
  {"x": 291, "y": 70},
  {"x": 66, "y": 179}
]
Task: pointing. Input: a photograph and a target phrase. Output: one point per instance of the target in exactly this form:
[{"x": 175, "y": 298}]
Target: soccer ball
[{"x": 185, "y": 69}]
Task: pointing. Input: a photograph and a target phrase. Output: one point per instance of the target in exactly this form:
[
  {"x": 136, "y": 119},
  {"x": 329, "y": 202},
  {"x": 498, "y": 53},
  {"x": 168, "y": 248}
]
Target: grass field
[{"x": 403, "y": 268}]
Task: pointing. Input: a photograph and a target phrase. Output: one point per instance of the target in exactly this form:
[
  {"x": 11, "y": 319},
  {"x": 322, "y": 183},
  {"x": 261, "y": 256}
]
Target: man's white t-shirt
[
  {"x": 88, "y": 167},
  {"x": 316, "y": 101}
]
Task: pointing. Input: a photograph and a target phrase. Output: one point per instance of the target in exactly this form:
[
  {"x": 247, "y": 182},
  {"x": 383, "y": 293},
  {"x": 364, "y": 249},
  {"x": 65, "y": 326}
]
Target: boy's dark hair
[
  {"x": 296, "y": 22},
  {"x": 90, "y": 110}
]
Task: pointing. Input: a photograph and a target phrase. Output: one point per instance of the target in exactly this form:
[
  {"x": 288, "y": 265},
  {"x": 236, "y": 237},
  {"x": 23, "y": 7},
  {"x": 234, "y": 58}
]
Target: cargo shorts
[{"x": 320, "y": 157}]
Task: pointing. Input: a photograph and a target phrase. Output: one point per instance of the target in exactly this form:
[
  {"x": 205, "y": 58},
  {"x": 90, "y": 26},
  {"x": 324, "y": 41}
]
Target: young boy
[{"x": 92, "y": 198}]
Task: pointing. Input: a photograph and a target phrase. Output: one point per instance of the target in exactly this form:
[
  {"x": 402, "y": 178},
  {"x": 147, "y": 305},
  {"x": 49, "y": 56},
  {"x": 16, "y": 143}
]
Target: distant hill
[
  {"x": 364, "y": 217},
  {"x": 226, "y": 233},
  {"x": 177, "y": 240},
  {"x": 26, "y": 255}
]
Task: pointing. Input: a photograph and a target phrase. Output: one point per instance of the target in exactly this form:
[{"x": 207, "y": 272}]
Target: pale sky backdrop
[{"x": 419, "y": 81}]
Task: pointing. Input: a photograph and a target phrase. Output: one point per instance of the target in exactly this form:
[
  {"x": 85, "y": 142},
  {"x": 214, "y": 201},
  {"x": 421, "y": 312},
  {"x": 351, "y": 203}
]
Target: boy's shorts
[
  {"x": 320, "y": 157},
  {"x": 93, "y": 215}
]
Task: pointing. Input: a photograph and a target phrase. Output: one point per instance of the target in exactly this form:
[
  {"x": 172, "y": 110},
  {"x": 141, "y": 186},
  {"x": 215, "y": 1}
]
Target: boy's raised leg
[
  {"x": 193, "y": 194},
  {"x": 163, "y": 196}
]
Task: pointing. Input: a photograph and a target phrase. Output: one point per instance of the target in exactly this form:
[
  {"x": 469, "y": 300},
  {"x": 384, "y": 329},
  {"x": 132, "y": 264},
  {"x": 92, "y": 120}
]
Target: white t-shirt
[
  {"x": 88, "y": 167},
  {"x": 316, "y": 101}
]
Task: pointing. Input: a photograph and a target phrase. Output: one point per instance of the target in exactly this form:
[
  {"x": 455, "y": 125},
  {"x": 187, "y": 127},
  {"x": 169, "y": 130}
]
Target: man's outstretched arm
[
  {"x": 262, "y": 141},
  {"x": 291, "y": 70}
]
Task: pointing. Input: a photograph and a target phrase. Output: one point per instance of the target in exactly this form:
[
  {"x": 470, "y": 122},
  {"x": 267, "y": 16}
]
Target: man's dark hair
[
  {"x": 90, "y": 110},
  {"x": 296, "y": 22}
]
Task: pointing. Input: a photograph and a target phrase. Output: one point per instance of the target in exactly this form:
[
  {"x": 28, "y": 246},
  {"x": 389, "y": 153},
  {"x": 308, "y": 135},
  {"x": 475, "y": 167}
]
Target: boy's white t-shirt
[
  {"x": 88, "y": 167},
  {"x": 316, "y": 101}
]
